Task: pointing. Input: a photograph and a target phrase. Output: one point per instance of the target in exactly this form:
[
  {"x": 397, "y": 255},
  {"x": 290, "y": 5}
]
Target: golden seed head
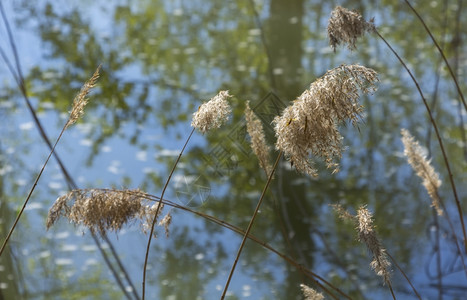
[
  {"x": 422, "y": 167},
  {"x": 309, "y": 125},
  {"x": 80, "y": 100}
]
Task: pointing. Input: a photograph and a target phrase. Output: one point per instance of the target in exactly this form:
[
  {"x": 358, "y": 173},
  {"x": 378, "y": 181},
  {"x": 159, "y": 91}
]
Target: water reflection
[{"x": 160, "y": 60}]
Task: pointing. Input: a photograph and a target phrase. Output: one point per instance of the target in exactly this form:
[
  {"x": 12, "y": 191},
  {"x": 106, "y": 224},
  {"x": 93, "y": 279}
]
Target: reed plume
[
  {"x": 258, "y": 140},
  {"x": 367, "y": 235},
  {"x": 345, "y": 26},
  {"x": 309, "y": 125},
  {"x": 310, "y": 294},
  {"x": 102, "y": 210},
  {"x": 422, "y": 167},
  {"x": 213, "y": 113},
  {"x": 81, "y": 99}
]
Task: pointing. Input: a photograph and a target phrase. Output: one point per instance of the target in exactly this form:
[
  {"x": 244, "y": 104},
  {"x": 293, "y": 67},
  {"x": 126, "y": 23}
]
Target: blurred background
[{"x": 160, "y": 61}]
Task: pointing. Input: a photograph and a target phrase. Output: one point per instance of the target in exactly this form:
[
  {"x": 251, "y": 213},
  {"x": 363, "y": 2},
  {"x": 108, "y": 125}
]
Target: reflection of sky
[{"x": 116, "y": 159}]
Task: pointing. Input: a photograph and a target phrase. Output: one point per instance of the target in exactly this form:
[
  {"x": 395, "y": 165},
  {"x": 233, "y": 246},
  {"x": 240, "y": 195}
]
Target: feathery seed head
[
  {"x": 309, "y": 125},
  {"x": 345, "y": 26},
  {"x": 422, "y": 167},
  {"x": 367, "y": 235},
  {"x": 258, "y": 140},
  {"x": 80, "y": 100},
  {"x": 166, "y": 221},
  {"x": 213, "y": 113},
  {"x": 101, "y": 210},
  {"x": 310, "y": 294}
]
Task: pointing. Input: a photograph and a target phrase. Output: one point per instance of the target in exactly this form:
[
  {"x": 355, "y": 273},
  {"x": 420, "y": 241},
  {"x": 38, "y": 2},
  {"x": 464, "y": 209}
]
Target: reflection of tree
[{"x": 185, "y": 53}]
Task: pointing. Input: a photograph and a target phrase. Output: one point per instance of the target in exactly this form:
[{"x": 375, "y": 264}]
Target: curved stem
[
  {"x": 157, "y": 212},
  {"x": 317, "y": 279},
  {"x": 438, "y": 135},
  {"x": 250, "y": 225},
  {"x": 451, "y": 72}
]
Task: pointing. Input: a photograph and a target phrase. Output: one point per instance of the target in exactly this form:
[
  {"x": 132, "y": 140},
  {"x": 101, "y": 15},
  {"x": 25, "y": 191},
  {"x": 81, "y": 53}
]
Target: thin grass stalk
[
  {"x": 438, "y": 136},
  {"x": 112, "y": 269},
  {"x": 30, "y": 193},
  {"x": 405, "y": 276},
  {"x": 121, "y": 266},
  {"x": 439, "y": 270},
  {"x": 392, "y": 291},
  {"x": 451, "y": 225},
  {"x": 310, "y": 274},
  {"x": 157, "y": 211},
  {"x": 250, "y": 225},
  {"x": 451, "y": 72}
]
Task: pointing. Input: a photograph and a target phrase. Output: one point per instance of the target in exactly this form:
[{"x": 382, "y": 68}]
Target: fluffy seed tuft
[
  {"x": 309, "y": 125},
  {"x": 213, "y": 113},
  {"x": 258, "y": 140},
  {"x": 102, "y": 210},
  {"x": 422, "y": 167},
  {"x": 80, "y": 100},
  {"x": 367, "y": 235},
  {"x": 311, "y": 294},
  {"x": 345, "y": 26}
]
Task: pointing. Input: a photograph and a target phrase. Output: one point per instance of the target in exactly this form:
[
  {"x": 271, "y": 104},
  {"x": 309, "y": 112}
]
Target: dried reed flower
[
  {"x": 147, "y": 214},
  {"x": 212, "y": 114},
  {"x": 258, "y": 140},
  {"x": 367, "y": 235},
  {"x": 309, "y": 125},
  {"x": 342, "y": 212},
  {"x": 80, "y": 100},
  {"x": 422, "y": 167},
  {"x": 166, "y": 221},
  {"x": 101, "y": 210},
  {"x": 311, "y": 294},
  {"x": 345, "y": 26}
]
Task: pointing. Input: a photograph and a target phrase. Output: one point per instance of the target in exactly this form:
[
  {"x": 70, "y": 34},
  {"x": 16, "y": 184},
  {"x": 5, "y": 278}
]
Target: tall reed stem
[
  {"x": 438, "y": 136},
  {"x": 157, "y": 211},
  {"x": 451, "y": 72},
  {"x": 250, "y": 225}
]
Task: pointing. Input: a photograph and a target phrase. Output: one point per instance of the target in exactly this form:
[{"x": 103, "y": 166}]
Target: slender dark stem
[
  {"x": 392, "y": 291},
  {"x": 120, "y": 265},
  {"x": 112, "y": 269},
  {"x": 438, "y": 135},
  {"x": 30, "y": 193},
  {"x": 405, "y": 275},
  {"x": 439, "y": 273},
  {"x": 157, "y": 212},
  {"x": 250, "y": 225},
  {"x": 265, "y": 45},
  {"x": 451, "y": 72}
]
